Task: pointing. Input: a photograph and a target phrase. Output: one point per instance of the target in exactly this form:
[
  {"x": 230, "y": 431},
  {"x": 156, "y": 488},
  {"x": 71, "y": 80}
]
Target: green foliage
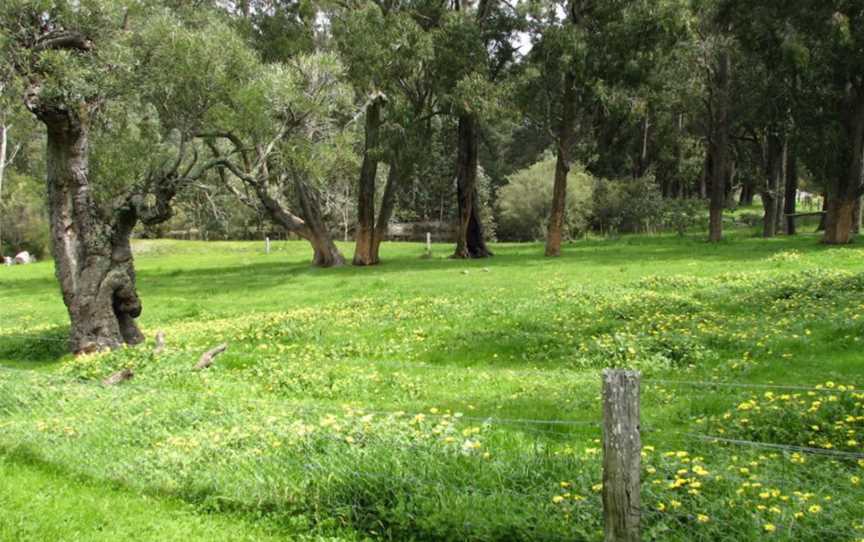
[
  {"x": 627, "y": 205},
  {"x": 682, "y": 214},
  {"x": 22, "y": 216},
  {"x": 525, "y": 202}
]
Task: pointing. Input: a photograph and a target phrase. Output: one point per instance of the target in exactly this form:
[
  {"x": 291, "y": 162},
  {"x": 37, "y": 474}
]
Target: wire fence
[{"x": 541, "y": 427}]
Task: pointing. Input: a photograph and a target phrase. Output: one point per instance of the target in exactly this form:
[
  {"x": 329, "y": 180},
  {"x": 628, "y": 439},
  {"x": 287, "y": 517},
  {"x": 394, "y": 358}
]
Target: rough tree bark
[
  {"x": 92, "y": 254},
  {"x": 566, "y": 135},
  {"x": 364, "y": 237},
  {"x": 790, "y": 200},
  {"x": 847, "y": 188},
  {"x": 719, "y": 149},
  {"x": 470, "y": 241}
]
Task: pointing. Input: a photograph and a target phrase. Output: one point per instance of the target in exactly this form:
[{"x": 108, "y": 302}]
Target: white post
[
  {"x": 267, "y": 245},
  {"x": 428, "y": 243}
]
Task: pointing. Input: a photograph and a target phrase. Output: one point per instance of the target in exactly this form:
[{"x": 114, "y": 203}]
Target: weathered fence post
[
  {"x": 622, "y": 449},
  {"x": 428, "y": 243},
  {"x": 267, "y": 245}
]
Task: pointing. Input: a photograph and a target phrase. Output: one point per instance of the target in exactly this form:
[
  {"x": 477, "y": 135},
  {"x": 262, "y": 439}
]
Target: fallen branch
[
  {"x": 160, "y": 343},
  {"x": 210, "y": 355},
  {"x": 118, "y": 377}
]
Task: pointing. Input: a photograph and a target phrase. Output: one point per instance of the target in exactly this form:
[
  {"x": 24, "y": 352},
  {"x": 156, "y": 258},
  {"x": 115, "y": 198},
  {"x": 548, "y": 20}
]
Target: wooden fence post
[
  {"x": 266, "y": 245},
  {"x": 622, "y": 449},
  {"x": 428, "y": 243}
]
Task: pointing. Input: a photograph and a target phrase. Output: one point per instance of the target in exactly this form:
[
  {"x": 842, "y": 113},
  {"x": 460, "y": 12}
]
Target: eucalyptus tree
[
  {"x": 387, "y": 53},
  {"x": 716, "y": 49},
  {"x": 588, "y": 57},
  {"x": 766, "y": 95},
  {"x": 474, "y": 51},
  {"x": 88, "y": 75},
  {"x": 824, "y": 41},
  {"x": 280, "y": 135}
]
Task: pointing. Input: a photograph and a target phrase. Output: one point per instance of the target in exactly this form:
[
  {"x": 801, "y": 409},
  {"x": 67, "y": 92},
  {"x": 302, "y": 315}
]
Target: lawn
[{"x": 436, "y": 399}]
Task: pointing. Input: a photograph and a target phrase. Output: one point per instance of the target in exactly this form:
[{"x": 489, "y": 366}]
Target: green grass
[
  {"x": 40, "y": 503},
  {"x": 380, "y": 402}
]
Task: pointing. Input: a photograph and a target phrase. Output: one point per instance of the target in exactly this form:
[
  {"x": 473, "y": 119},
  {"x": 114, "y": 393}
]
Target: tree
[
  {"x": 81, "y": 76},
  {"x": 822, "y": 42},
  {"x": 589, "y": 59},
  {"x": 280, "y": 136},
  {"x": 386, "y": 52},
  {"x": 473, "y": 51}
]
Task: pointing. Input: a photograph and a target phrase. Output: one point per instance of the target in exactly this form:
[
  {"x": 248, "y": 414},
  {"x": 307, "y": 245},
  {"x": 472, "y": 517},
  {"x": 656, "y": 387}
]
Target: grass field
[{"x": 434, "y": 399}]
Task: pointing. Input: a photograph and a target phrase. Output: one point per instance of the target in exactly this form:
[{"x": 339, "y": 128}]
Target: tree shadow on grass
[
  {"x": 34, "y": 349},
  {"x": 599, "y": 253}
]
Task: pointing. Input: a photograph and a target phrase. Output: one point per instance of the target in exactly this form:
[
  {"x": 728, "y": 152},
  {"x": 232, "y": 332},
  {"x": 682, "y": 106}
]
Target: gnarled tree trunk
[
  {"x": 470, "y": 241},
  {"x": 326, "y": 254},
  {"x": 92, "y": 256},
  {"x": 566, "y": 134}
]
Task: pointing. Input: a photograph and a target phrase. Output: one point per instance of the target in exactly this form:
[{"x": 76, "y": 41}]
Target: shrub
[
  {"x": 682, "y": 214},
  {"x": 627, "y": 205},
  {"x": 526, "y": 201}
]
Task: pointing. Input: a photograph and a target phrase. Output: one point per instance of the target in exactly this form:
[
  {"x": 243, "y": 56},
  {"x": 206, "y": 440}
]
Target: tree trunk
[
  {"x": 791, "y": 193},
  {"x": 470, "y": 242},
  {"x": 326, "y": 254},
  {"x": 92, "y": 258},
  {"x": 847, "y": 188},
  {"x": 775, "y": 174},
  {"x": 856, "y": 217},
  {"x": 746, "y": 197},
  {"x": 566, "y": 134},
  {"x": 311, "y": 227},
  {"x": 720, "y": 147},
  {"x": 839, "y": 221},
  {"x": 364, "y": 237},
  {"x": 388, "y": 203}
]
